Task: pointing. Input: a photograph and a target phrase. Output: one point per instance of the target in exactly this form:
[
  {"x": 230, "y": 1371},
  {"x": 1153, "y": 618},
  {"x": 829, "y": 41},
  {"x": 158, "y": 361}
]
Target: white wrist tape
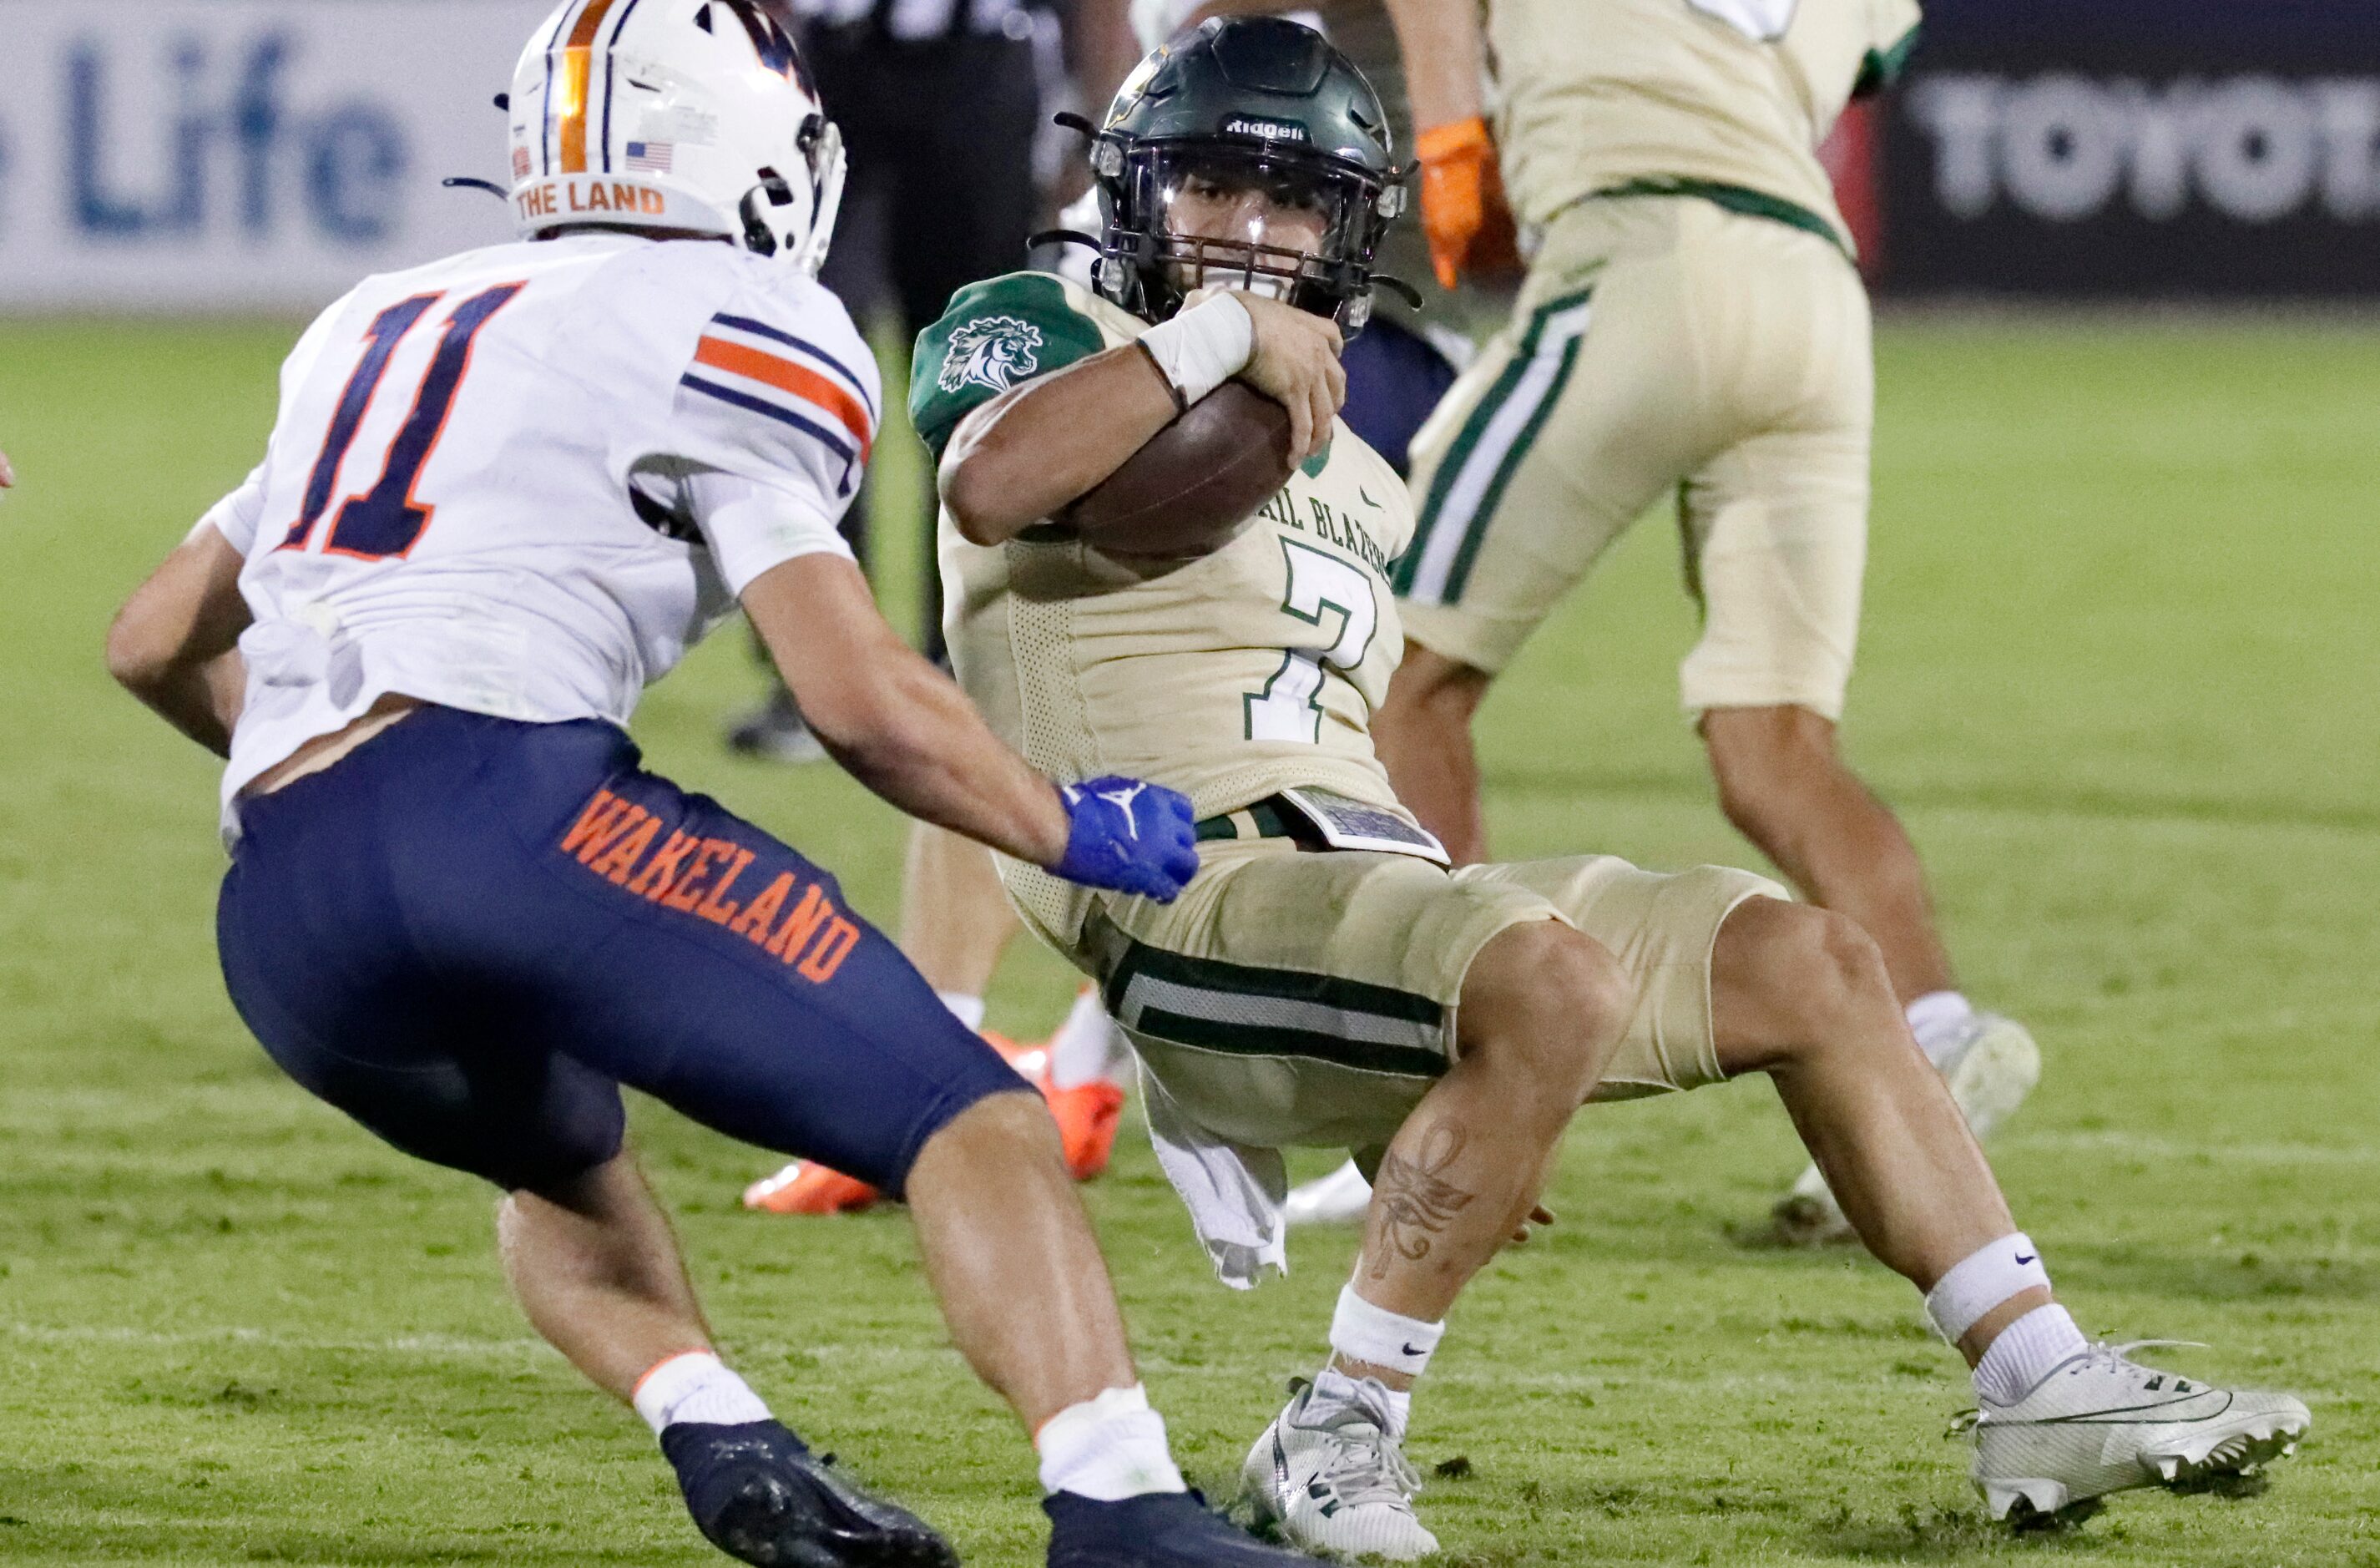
[
  {"x": 1203, "y": 347},
  {"x": 1981, "y": 1281}
]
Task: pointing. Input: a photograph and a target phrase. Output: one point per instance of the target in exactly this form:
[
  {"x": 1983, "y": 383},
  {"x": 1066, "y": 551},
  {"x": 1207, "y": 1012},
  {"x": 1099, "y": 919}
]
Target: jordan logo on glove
[{"x": 1127, "y": 836}]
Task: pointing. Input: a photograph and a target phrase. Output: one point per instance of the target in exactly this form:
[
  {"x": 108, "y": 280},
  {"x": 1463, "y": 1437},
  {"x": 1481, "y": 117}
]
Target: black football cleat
[
  {"x": 758, "y": 1494},
  {"x": 1155, "y": 1530}
]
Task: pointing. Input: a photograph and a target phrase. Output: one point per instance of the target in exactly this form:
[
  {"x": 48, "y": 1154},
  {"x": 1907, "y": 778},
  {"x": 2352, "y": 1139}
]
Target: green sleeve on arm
[{"x": 995, "y": 334}]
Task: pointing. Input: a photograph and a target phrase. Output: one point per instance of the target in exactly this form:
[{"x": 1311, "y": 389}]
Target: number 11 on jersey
[
  {"x": 388, "y": 518},
  {"x": 1288, "y": 708}
]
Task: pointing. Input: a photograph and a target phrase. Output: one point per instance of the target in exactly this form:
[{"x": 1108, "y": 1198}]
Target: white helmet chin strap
[{"x": 827, "y": 165}]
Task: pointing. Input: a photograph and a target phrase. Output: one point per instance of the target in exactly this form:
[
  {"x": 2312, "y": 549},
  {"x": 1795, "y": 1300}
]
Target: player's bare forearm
[
  {"x": 1029, "y": 450},
  {"x": 1443, "y": 56},
  {"x": 927, "y": 750},
  {"x": 174, "y": 644},
  {"x": 895, "y": 722}
]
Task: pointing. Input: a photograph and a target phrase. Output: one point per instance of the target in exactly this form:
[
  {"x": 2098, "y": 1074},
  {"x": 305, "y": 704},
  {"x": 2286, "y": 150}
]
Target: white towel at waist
[{"x": 1235, "y": 1193}]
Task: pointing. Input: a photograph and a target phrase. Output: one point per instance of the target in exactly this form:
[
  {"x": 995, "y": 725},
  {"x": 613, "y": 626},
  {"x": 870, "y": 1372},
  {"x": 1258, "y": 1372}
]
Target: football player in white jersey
[{"x": 505, "y": 492}]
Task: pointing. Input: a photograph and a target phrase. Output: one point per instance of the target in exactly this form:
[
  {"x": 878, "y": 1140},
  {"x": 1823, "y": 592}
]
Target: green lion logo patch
[{"x": 990, "y": 351}]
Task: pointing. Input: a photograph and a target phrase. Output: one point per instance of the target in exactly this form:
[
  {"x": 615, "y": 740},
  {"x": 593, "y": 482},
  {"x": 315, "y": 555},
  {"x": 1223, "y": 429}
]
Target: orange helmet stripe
[{"x": 570, "y": 92}]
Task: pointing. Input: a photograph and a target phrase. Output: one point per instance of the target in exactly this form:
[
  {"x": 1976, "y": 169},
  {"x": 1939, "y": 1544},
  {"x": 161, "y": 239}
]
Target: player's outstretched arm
[
  {"x": 1029, "y": 452},
  {"x": 176, "y": 643},
  {"x": 904, "y": 729}
]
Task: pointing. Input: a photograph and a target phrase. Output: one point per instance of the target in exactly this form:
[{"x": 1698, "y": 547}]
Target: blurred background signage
[
  {"x": 2130, "y": 147},
  {"x": 243, "y": 154},
  {"x": 264, "y": 153}
]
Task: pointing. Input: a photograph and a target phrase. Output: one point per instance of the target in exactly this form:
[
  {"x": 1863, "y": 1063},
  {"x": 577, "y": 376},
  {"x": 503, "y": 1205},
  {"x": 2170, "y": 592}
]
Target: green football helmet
[{"x": 1245, "y": 104}]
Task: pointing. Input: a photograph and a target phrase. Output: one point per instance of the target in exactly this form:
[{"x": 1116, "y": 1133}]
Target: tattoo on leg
[{"x": 1413, "y": 1201}]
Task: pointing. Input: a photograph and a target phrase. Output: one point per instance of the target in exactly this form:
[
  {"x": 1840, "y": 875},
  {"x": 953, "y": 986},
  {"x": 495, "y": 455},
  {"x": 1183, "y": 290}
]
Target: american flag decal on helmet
[{"x": 650, "y": 157}]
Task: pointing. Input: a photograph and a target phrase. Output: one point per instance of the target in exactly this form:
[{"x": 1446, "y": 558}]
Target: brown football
[{"x": 1187, "y": 490}]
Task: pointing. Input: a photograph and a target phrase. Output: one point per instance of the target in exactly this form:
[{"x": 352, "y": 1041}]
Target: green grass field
[{"x": 2119, "y": 674}]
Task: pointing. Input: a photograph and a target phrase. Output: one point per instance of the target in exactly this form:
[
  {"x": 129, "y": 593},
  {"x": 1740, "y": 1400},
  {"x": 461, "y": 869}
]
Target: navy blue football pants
[
  {"x": 469, "y": 932},
  {"x": 1394, "y": 377}
]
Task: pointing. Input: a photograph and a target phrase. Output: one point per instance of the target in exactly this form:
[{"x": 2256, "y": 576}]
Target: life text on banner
[{"x": 244, "y": 154}]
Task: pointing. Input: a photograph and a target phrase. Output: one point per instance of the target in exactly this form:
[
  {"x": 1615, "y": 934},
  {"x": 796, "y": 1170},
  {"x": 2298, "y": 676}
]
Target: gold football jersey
[
  {"x": 1603, "y": 96},
  {"x": 1230, "y": 677}
]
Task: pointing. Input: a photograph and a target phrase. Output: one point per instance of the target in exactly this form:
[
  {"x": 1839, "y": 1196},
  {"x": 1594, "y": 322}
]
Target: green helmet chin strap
[{"x": 1250, "y": 102}]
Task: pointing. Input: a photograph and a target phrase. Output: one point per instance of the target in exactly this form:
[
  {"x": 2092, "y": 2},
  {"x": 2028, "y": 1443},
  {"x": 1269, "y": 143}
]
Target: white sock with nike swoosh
[
  {"x": 1378, "y": 1337},
  {"x": 2025, "y": 1351},
  {"x": 1978, "y": 1282}
]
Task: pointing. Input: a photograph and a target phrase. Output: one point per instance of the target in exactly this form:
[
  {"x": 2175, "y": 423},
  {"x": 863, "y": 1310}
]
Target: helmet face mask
[
  {"x": 1285, "y": 227},
  {"x": 1248, "y": 155},
  {"x": 699, "y": 120}
]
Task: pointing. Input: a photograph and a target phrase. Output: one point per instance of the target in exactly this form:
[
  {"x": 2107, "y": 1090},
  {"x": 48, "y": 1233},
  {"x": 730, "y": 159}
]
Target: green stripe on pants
[{"x": 1479, "y": 465}]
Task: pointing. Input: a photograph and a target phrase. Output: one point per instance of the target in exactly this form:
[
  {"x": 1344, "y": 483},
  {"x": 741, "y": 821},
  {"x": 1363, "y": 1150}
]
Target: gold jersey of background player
[{"x": 1731, "y": 92}]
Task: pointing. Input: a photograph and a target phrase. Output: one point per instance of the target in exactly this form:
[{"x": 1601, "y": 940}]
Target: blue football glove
[{"x": 1129, "y": 836}]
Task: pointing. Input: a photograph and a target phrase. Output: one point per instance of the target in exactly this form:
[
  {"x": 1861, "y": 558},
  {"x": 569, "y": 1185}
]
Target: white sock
[
  {"x": 1107, "y": 1449},
  {"x": 1936, "y": 1019},
  {"x": 1361, "y": 1331},
  {"x": 967, "y": 1010},
  {"x": 1332, "y": 1387},
  {"x": 2027, "y": 1351},
  {"x": 695, "y": 1386},
  {"x": 1981, "y": 1281},
  {"x": 1085, "y": 1050}
]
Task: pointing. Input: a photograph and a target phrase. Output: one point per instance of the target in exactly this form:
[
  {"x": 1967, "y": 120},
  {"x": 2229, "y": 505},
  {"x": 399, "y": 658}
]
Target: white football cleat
[
  {"x": 1338, "y": 1199},
  {"x": 1340, "y": 1485},
  {"x": 1990, "y": 1067},
  {"x": 2100, "y": 1422}
]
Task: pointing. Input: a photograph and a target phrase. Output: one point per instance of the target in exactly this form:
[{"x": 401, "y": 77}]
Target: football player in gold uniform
[{"x": 1328, "y": 979}]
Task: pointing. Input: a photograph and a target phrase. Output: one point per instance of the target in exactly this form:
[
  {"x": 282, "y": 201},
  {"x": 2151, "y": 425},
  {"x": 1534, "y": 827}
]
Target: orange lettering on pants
[
  {"x": 655, "y": 878},
  {"x": 801, "y": 925},
  {"x": 712, "y": 908},
  {"x": 686, "y": 892},
  {"x": 605, "y": 819},
  {"x": 620, "y": 859},
  {"x": 840, "y": 936},
  {"x": 754, "y": 921}
]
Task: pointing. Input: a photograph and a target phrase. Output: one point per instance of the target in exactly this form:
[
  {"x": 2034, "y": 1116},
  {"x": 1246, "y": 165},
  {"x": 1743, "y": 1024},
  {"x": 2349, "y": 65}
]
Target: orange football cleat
[
  {"x": 1088, "y": 1117},
  {"x": 807, "y": 1188}
]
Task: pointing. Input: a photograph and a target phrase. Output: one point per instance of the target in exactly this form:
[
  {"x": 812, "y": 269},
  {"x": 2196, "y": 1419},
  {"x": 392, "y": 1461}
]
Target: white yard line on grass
[
  {"x": 455, "y": 1347},
  {"x": 2147, "y": 1148}
]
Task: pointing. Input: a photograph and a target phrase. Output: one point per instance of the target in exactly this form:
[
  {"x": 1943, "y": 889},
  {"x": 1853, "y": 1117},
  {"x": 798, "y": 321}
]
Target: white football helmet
[{"x": 697, "y": 115}]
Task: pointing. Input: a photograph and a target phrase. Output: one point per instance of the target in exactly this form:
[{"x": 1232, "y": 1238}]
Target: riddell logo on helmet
[{"x": 1271, "y": 130}]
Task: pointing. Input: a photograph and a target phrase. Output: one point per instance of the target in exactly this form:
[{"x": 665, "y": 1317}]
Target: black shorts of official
[{"x": 469, "y": 932}]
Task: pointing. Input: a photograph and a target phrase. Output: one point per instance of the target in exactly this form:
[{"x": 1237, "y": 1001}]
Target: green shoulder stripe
[
  {"x": 1882, "y": 67},
  {"x": 996, "y": 333}
]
